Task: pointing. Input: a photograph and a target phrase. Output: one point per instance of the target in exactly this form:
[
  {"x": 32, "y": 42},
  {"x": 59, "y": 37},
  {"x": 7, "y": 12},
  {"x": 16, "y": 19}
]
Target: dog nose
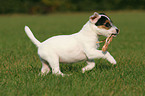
[{"x": 117, "y": 30}]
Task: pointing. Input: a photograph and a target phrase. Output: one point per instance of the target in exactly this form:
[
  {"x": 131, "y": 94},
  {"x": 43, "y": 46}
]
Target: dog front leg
[
  {"x": 94, "y": 53},
  {"x": 90, "y": 66},
  {"x": 110, "y": 58}
]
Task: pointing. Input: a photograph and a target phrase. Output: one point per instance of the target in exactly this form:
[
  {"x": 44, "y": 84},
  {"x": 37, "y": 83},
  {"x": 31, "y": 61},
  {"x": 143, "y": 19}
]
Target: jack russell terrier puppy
[{"x": 75, "y": 47}]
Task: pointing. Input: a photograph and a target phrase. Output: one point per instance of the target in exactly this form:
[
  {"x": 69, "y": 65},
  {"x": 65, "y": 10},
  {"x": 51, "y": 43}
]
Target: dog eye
[{"x": 107, "y": 24}]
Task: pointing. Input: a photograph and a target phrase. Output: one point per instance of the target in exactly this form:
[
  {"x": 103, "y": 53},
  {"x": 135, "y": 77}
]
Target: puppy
[{"x": 75, "y": 47}]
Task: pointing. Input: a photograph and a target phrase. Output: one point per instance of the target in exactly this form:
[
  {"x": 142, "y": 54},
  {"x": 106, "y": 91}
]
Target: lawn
[{"x": 20, "y": 64}]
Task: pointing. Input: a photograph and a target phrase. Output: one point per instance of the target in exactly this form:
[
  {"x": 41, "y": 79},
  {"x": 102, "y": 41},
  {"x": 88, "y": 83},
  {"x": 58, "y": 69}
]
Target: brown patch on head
[
  {"x": 94, "y": 18},
  {"x": 106, "y": 25},
  {"x": 103, "y": 27}
]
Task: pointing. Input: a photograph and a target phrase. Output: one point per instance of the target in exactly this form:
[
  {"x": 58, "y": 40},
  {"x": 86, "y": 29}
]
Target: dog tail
[{"x": 31, "y": 36}]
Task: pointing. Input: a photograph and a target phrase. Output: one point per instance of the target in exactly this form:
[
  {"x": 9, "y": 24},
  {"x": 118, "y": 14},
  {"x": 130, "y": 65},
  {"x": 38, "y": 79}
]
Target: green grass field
[{"x": 20, "y": 64}]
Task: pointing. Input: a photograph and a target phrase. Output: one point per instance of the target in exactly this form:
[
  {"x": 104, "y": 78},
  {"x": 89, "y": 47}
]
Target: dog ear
[{"x": 94, "y": 18}]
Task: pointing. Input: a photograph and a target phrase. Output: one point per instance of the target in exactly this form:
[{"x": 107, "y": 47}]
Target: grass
[{"x": 20, "y": 63}]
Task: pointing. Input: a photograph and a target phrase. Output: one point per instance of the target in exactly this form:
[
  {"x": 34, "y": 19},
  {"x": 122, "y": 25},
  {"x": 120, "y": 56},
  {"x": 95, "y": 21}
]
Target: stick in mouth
[{"x": 108, "y": 41}]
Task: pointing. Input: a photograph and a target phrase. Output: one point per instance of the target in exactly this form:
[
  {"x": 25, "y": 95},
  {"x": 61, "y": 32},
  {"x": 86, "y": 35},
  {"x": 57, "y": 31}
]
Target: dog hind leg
[
  {"x": 45, "y": 68},
  {"x": 91, "y": 65},
  {"x": 54, "y": 64}
]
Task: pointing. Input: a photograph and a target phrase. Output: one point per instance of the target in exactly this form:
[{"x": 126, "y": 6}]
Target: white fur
[{"x": 71, "y": 48}]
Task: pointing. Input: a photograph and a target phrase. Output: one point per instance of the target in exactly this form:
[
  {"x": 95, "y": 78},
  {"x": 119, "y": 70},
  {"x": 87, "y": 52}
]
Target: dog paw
[
  {"x": 112, "y": 60},
  {"x": 83, "y": 70},
  {"x": 63, "y": 75},
  {"x": 42, "y": 74}
]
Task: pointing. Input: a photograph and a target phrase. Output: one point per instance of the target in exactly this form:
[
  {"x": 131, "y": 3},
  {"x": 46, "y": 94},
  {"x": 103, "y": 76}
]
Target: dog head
[{"x": 103, "y": 25}]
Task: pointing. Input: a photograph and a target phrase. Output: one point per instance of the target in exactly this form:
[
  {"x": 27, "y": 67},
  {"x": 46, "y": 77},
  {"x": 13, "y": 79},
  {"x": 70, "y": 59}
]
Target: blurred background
[
  {"x": 20, "y": 64},
  {"x": 49, "y": 6}
]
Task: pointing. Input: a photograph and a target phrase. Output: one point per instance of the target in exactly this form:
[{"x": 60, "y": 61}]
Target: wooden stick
[{"x": 105, "y": 47}]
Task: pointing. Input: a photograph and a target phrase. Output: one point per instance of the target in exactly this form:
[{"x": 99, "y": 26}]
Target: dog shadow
[
  {"x": 78, "y": 68},
  {"x": 70, "y": 68},
  {"x": 104, "y": 67},
  {"x": 73, "y": 68}
]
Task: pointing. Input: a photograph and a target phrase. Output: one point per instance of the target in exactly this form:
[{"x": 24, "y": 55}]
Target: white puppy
[{"x": 75, "y": 47}]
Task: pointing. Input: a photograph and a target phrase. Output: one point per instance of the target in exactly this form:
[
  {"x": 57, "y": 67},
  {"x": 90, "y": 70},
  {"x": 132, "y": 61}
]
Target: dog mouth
[{"x": 114, "y": 34}]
